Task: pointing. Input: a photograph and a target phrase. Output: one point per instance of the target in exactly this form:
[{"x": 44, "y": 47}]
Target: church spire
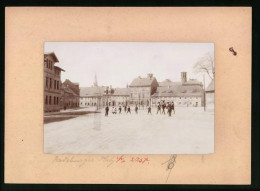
[{"x": 95, "y": 81}]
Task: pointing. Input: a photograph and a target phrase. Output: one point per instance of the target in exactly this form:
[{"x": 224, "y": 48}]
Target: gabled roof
[
  {"x": 192, "y": 82},
  {"x": 72, "y": 86},
  {"x": 59, "y": 68},
  {"x": 211, "y": 86},
  {"x": 179, "y": 91},
  {"x": 168, "y": 82},
  {"x": 91, "y": 91},
  {"x": 53, "y": 55},
  {"x": 67, "y": 89},
  {"x": 122, "y": 92},
  {"x": 140, "y": 82}
]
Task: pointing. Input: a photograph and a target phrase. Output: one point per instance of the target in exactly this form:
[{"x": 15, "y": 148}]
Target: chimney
[
  {"x": 184, "y": 77},
  {"x": 150, "y": 75}
]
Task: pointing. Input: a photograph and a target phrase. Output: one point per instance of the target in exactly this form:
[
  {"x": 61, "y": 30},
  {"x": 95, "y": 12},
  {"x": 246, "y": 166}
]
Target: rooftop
[
  {"x": 53, "y": 55},
  {"x": 179, "y": 91},
  {"x": 139, "y": 81}
]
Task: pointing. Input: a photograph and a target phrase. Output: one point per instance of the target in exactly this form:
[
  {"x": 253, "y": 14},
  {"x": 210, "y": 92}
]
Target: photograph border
[{"x": 255, "y": 176}]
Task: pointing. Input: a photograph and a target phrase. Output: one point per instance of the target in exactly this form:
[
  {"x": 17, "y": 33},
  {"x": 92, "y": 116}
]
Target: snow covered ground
[{"x": 189, "y": 131}]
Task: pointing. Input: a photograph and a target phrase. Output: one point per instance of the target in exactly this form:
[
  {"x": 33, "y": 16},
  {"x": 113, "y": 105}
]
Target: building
[
  {"x": 210, "y": 96},
  {"x": 70, "y": 94},
  {"x": 142, "y": 89},
  {"x": 91, "y": 96},
  {"x": 121, "y": 96},
  {"x": 52, "y": 83},
  {"x": 182, "y": 93}
]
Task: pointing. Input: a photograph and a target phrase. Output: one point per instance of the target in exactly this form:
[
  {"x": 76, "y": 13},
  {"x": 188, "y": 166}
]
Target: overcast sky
[{"x": 118, "y": 63}]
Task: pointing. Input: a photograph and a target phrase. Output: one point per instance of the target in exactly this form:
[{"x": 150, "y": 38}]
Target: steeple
[{"x": 95, "y": 81}]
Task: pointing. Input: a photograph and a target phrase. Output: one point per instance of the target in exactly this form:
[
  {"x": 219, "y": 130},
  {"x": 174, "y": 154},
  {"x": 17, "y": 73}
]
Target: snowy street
[{"x": 189, "y": 131}]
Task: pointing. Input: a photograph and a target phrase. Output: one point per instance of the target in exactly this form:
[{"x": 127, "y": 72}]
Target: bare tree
[{"x": 205, "y": 64}]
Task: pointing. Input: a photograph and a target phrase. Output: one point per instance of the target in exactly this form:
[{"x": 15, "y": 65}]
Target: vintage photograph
[{"x": 128, "y": 98}]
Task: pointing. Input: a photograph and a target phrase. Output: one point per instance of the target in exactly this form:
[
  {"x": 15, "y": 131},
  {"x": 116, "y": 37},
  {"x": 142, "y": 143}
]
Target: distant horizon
[{"x": 118, "y": 63}]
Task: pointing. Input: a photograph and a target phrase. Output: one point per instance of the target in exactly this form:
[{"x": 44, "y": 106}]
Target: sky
[{"x": 118, "y": 63}]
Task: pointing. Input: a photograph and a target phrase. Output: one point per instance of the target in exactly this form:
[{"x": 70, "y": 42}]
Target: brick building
[{"x": 52, "y": 83}]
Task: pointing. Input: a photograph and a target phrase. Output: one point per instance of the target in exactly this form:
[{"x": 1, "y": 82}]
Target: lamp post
[{"x": 109, "y": 91}]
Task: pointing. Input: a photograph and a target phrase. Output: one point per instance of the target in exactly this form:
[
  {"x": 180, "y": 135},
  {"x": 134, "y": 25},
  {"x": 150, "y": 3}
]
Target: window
[
  {"x": 45, "y": 63},
  {"x": 58, "y": 83},
  {"x": 57, "y": 100},
  {"x": 50, "y": 83},
  {"x": 46, "y": 100},
  {"x": 49, "y": 100},
  {"x": 54, "y": 100},
  {"x": 47, "y": 81}
]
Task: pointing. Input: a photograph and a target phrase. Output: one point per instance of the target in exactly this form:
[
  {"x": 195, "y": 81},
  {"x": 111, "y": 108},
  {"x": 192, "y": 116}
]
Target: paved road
[{"x": 190, "y": 130}]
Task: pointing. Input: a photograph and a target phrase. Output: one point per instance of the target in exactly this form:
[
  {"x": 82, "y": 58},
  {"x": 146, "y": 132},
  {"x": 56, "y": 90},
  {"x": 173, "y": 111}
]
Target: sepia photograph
[{"x": 128, "y": 98}]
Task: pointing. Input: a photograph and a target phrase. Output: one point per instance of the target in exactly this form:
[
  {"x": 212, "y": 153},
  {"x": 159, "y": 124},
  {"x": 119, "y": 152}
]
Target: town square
[{"x": 139, "y": 114}]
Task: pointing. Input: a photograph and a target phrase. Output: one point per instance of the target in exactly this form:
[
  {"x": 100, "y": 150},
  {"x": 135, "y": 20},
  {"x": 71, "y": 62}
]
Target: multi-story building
[
  {"x": 120, "y": 96},
  {"x": 183, "y": 93},
  {"x": 70, "y": 94},
  {"x": 52, "y": 83},
  {"x": 142, "y": 89},
  {"x": 91, "y": 96}
]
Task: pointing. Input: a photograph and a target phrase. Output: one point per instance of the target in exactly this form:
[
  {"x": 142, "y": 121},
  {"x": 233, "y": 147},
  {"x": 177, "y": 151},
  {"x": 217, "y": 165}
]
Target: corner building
[{"x": 52, "y": 83}]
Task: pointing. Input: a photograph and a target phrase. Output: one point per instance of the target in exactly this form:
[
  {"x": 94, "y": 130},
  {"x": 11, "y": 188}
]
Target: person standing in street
[
  {"x": 149, "y": 110},
  {"x": 159, "y": 108},
  {"x": 163, "y": 108},
  {"x": 128, "y": 110},
  {"x": 167, "y": 106},
  {"x": 106, "y": 109},
  {"x": 136, "y": 109},
  {"x": 173, "y": 109},
  {"x": 169, "y": 110},
  {"x": 125, "y": 108},
  {"x": 120, "y": 109}
]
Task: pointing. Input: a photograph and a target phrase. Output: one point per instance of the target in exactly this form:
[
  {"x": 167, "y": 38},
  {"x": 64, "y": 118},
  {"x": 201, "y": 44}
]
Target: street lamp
[{"x": 109, "y": 91}]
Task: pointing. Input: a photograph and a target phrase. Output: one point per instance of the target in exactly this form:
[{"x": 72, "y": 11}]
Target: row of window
[
  {"x": 48, "y": 64},
  {"x": 49, "y": 100},
  {"x": 49, "y": 81},
  {"x": 179, "y": 98}
]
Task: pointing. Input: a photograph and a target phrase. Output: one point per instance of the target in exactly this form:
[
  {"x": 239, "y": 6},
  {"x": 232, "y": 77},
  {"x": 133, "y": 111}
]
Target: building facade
[
  {"x": 120, "y": 96},
  {"x": 52, "y": 83},
  {"x": 183, "y": 93},
  {"x": 70, "y": 95},
  {"x": 91, "y": 96},
  {"x": 142, "y": 89}
]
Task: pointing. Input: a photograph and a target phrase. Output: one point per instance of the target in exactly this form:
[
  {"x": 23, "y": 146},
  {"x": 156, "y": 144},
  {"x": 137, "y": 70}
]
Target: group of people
[
  {"x": 162, "y": 107},
  {"x": 127, "y": 109}
]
